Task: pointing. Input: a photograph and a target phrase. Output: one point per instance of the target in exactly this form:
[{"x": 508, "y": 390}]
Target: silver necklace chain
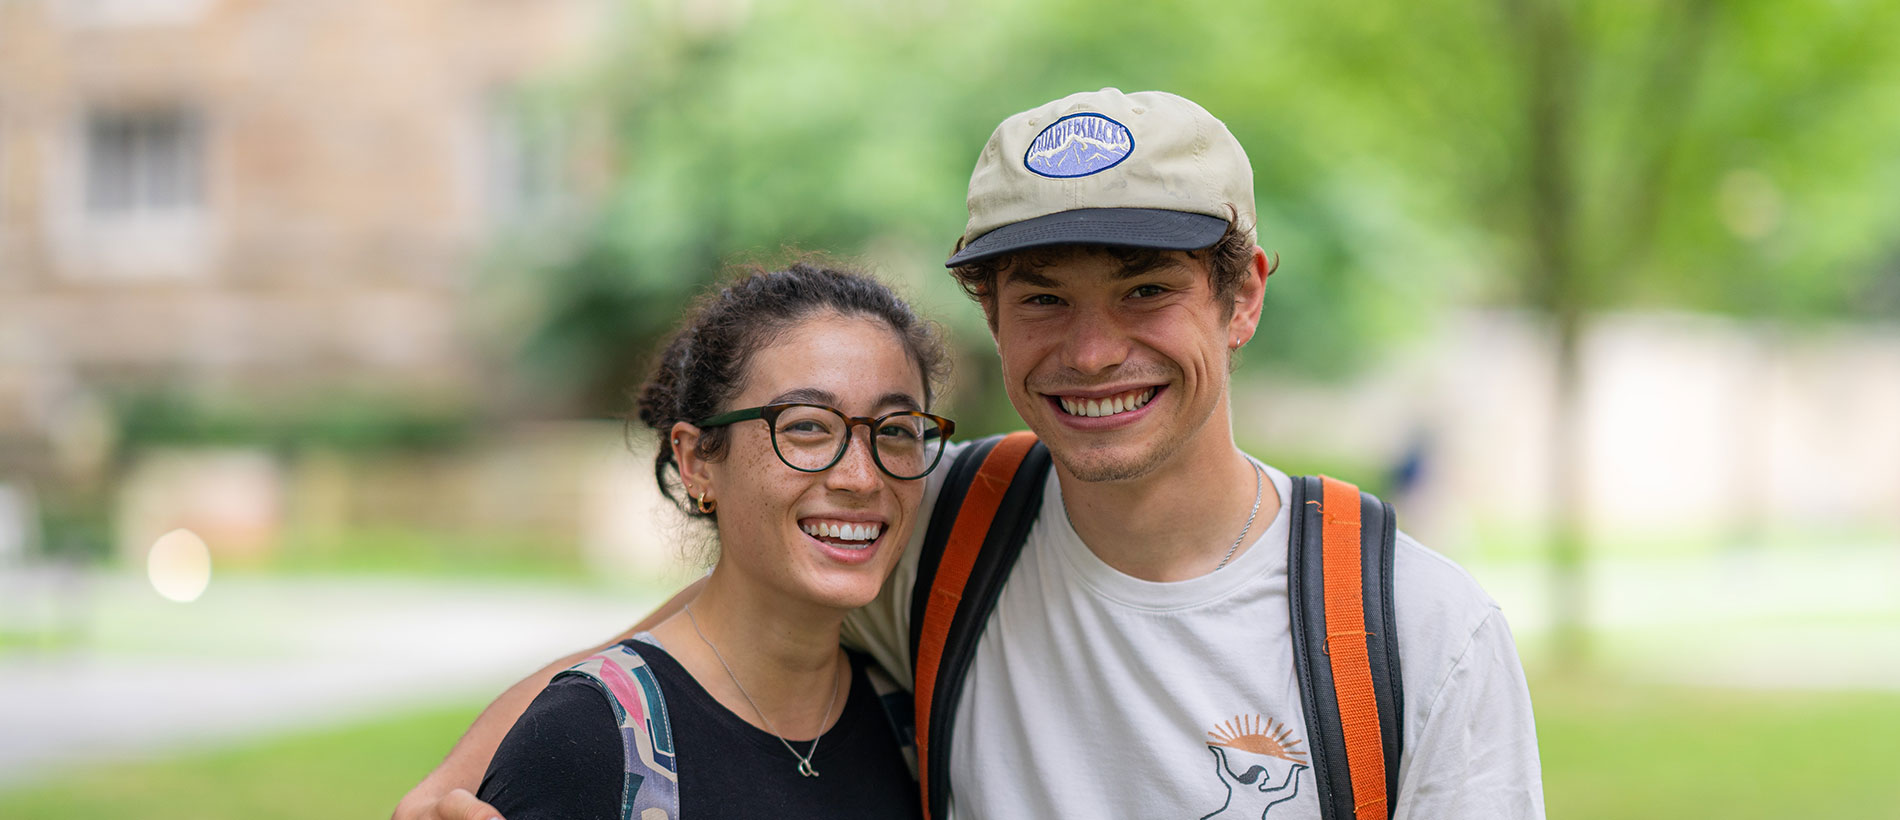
[
  {"x": 804, "y": 760},
  {"x": 1250, "y": 516},
  {"x": 1237, "y": 539}
]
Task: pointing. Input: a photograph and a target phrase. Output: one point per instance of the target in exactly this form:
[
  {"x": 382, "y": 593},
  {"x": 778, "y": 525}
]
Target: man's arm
[{"x": 447, "y": 793}]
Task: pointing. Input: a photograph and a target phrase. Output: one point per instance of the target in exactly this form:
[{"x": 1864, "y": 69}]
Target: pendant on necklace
[{"x": 804, "y": 768}]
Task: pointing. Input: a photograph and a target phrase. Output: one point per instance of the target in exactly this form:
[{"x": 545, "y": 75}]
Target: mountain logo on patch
[{"x": 1079, "y": 145}]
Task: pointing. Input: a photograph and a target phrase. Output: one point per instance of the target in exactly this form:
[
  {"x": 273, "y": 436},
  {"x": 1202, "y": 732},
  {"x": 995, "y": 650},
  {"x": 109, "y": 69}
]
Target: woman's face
[{"x": 769, "y": 512}]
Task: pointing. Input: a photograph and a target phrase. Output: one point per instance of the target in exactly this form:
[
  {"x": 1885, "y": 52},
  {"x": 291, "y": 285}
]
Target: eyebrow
[
  {"x": 810, "y": 395},
  {"x": 813, "y": 395},
  {"x": 1028, "y": 278},
  {"x": 1126, "y": 271},
  {"x": 1161, "y": 262}
]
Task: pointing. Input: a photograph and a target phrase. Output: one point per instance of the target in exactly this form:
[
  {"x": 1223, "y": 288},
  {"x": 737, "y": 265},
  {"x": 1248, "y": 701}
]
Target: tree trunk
[{"x": 1547, "y": 32}]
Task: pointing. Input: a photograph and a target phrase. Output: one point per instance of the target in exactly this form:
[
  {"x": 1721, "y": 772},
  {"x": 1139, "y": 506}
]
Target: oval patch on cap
[{"x": 1078, "y": 145}]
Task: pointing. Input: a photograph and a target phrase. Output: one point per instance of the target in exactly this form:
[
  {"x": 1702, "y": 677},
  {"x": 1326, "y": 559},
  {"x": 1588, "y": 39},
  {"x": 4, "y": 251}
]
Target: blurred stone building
[{"x": 265, "y": 198}]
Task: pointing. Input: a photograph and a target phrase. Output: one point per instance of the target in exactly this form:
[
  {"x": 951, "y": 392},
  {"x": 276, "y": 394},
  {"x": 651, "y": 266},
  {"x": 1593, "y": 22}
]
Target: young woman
[{"x": 757, "y": 404}]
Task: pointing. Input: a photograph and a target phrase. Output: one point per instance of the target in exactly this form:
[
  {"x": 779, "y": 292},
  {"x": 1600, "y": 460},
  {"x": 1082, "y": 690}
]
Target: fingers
[{"x": 460, "y": 805}]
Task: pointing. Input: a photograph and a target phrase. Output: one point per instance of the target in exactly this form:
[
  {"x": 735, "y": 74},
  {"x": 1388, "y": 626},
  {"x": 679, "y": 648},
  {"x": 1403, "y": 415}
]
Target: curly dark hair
[
  {"x": 1227, "y": 259},
  {"x": 704, "y": 364}
]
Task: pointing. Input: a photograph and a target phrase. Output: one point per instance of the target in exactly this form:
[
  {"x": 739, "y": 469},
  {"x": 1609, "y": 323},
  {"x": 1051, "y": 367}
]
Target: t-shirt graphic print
[{"x": 1260, "y": 763}]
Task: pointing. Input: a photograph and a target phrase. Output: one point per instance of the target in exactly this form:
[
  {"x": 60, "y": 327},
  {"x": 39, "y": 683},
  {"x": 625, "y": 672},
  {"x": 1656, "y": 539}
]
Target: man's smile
[{"x": 1123, "y": 402}]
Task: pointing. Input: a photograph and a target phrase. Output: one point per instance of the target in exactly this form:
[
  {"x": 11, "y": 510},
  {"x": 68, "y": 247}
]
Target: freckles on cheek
[
  {"x": 910, "y": 498},
  {"x": 747, "y": 467},
  {"x": 756, "y": 459}
]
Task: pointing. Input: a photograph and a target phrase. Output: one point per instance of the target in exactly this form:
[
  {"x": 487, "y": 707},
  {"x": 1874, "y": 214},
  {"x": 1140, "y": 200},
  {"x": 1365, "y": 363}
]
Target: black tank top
[{"x": 562, "y": 759}]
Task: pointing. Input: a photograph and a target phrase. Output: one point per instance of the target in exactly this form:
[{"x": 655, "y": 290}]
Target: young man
[{"x": 1139, "y": 660}]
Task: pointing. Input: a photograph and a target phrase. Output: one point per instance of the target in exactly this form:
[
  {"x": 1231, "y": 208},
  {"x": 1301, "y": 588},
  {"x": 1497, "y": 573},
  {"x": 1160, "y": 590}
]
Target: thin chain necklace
[
  {"x": 1250, "y": 515},
  {"x": 804, "y": 760},
  {"x": 1237, "y": 539}
]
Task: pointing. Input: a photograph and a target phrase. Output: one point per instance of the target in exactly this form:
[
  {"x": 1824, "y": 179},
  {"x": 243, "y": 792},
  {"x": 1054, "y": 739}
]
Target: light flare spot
[{"x": 179, "y": 566}]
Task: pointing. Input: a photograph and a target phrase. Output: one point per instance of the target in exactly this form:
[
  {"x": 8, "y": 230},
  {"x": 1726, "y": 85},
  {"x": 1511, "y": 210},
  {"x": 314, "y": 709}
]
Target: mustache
[{"x": 1066, "y": 380}]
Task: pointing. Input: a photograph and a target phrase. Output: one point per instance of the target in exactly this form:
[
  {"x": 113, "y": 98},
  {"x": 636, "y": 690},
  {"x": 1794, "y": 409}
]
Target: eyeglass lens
[{"x": 812, "y": 438}]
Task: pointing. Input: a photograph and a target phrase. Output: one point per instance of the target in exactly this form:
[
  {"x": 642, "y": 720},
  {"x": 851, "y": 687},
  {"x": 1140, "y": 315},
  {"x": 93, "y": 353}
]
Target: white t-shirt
[{"x": 1096, "y": 694}]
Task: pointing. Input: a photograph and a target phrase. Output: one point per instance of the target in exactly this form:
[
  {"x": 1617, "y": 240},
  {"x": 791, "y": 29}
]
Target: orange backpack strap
[
  {"x": 995, "y": 490},
  {"x": 1345, "y": 644}
]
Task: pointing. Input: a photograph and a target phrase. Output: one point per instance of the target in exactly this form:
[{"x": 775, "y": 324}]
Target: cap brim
[{"x": 1121, "y": 227}]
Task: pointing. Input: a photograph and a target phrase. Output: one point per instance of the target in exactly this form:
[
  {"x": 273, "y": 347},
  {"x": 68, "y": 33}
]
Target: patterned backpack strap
[{"x": 651, "y": 790}]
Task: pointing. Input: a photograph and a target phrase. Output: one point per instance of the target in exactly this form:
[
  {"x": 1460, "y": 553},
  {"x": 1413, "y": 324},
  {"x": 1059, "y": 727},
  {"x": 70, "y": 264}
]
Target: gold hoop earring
[{"x": 706, "y": 507}]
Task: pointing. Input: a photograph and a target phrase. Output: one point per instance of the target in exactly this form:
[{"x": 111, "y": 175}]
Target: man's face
[{"x": 1117, "y": 368}]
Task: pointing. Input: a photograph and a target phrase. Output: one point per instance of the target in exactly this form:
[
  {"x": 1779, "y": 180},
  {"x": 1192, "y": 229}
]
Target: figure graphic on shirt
[{"x": 1269, "y": 769}]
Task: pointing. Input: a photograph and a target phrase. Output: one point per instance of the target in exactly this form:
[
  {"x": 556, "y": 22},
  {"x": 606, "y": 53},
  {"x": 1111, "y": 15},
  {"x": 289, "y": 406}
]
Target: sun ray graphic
[{"x": 1252, "y": 733}]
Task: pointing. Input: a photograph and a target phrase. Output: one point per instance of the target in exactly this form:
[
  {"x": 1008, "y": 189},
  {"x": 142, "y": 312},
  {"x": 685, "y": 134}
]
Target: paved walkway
[
  {"x": 262, "y": 655},
  {"x": 1823, "y": 618}
]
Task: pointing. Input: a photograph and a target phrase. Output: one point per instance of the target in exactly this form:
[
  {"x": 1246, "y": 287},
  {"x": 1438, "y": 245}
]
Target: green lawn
[
  {"x": 1612, "y": 752},
  {"x": 354, "y": 772},
  {"x": 1643, "y": 752}
]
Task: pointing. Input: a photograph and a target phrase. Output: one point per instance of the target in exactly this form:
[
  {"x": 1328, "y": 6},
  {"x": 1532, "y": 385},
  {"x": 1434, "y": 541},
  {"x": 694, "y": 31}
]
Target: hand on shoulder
[{"x": 458, "y": 804}]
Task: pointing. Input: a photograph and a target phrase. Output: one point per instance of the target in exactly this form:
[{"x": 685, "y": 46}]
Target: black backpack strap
[
  {"x": 995, "y": 489},
  {"x": 896, "y": 703},
  {"x": 1320, "y": 692}
]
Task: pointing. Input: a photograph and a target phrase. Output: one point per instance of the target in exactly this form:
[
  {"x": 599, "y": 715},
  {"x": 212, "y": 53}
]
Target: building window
[
  {"x": 526, "y": 156},
  {"x": 136, "y": 193},
  {"x": 143, "y": 163}
]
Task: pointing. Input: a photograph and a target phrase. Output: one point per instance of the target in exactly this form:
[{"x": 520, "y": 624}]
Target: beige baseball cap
[{"x": 1147, "y": 170}]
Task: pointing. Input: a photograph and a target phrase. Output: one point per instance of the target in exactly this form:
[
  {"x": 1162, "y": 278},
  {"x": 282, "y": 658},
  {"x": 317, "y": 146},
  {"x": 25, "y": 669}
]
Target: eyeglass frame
[{"x": 769, "y": 414}]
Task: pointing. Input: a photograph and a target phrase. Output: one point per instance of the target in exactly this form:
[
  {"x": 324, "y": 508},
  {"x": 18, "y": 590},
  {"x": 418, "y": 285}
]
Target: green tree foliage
[
  {"x": 1564, "y": 156},
  {"x": 1712, "y": 155},
  {"x": 741, "y": 131}
]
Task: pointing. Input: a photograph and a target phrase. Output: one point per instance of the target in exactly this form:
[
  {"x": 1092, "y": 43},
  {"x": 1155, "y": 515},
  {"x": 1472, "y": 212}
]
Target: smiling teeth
[
  {"x": 1095, "y": 408},
  {"x": 844, "y": 532}
]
